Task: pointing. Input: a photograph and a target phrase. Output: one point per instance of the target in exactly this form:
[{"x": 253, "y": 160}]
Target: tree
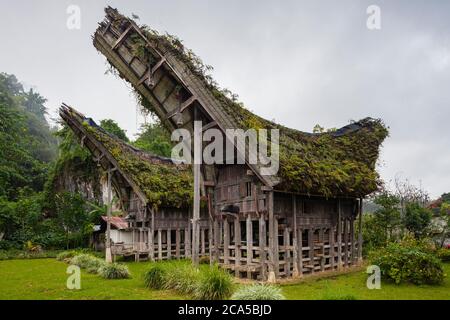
[
  {"x": 417, "y": 219},
  {"x": 388, "y": 215},
  {"x": 444, "y": 214},
  {"x": 113, "y": 127},
  {"x": 154, "y": 138}
]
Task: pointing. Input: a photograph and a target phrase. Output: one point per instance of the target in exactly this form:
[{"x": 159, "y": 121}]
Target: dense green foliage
[
  {"x": 408, "y": 261},
  {"x": 112, "y": 127},
  {"x": 258, "y": 292},
  {"x": 417, "y": 219},
  {"x": 26, "y": 142},
  {"x": 155, "y": 139},
  {"x": 386, "y": 224},
  {"x": 42, "y": 198},
  {"x": 207, "y": 283}
]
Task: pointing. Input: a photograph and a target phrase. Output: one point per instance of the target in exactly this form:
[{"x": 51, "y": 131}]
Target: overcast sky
[{"x": 299, "y": 62}]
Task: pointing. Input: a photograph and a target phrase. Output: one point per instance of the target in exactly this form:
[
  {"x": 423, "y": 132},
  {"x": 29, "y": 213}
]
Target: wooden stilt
[
  {"x": 346, "y": 249},
  {"x": 169, "y": 243},
  {"x": 262, "y": 246},
  {"x": 360, "y": 239},
  {"x": 237, "y": 245},
  {"x": 352, "y": 241},
  {"x": 287, "y": 253},
  {"x": 216, "y": 240},
  {"x": 276, "y": 248},
  {"x": 295, "y": 267},
  {"x": 160, "y": 257},
  {"x": 249, "y": 236},
  {"x": 203, "y": 241},
  {"x": 312, "y": 263},
  {"x": 322, "y": 252},
  {"x": 177, "y": 243},
  {"x": 339, "y": 236},
  {"x": 332, "y": 248},
  {"x": 151, "y": 236},
  {"x": 271, "y": 275},
  {"x": 226, "y": 241},
  {"x": 196, "y": 206},
  {"x": 300, "y": 251}
]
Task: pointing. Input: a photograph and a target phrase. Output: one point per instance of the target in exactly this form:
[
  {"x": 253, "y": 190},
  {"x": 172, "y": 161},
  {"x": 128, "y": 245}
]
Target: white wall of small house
[{"x": 121, "y": 236}]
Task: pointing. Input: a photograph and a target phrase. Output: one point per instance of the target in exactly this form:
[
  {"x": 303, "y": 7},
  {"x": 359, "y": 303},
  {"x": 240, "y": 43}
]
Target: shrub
[
  {"x": 209, "y": 283},
  {"x": 114, "y": 271},
  {"x": 65, "y": 255},
  {"x": 214, "y": 284},
  {"x": 258, "y": 292},
  {"x": 155, "y": 276},
  {"x": 444, "y": 254},
  {"x": 82, "y": 260},
  {"x": 408, "y": 261},
  {"x": 182, "y": 276}
]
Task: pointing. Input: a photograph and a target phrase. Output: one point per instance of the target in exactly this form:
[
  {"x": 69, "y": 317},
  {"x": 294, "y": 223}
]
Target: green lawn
[
  {"x": 46, "y": 279},
  {"x": 354, "y": 285}
]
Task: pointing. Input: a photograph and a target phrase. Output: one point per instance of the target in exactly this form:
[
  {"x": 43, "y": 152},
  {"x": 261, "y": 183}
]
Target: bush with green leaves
[
  {"x": 408, "y": 261},
  {"x": 65, "y": 255},
  {"x": 258, "y": 292},
  {"x": 114, "y": 271},
  {"x": 444, "y": 254},
  {"x": 88, "y": 262},
  {"x": 214, "y": 284},
  {"x": 155, "y": 276},
  {"x": 205, "y": 283}
]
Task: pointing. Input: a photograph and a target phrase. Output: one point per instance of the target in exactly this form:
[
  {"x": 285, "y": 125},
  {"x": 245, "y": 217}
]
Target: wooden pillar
[
  {"x": 352, "y": 241},
  {"x": 322, "y": 243},
  {"x": 346, "y": 242},
  {"x": 160, "y": 244},
  {"x": 262, "y": 246},
  {"x": 360, "y": 239},
  {"x": 272, "y": 275},
  {"x": 276, "y": 248},
  {"x": 189, "y": 236},
  {"x": 151, "y": 236},
  {"x": 187, "y": 245},
  {"x": 216, "y": 239},
  {"x": 249, "y": 236},
  {"x": 203, "y": 241},
  {"x": 287, "y": 253},
  {"x": 108, "y": 256},
  {"x": 311, "y": 249},
  {"x": 169, "y": 243},
  {"x": 210, "y": 242},
  {"x": 237, "y": 245},
  {"x": 339, "y": 236},
  {"x": 196, "y": 206},
  {"x": 177, "y": 243},
  {"x": 295, "y": 267},
  {"x": 300, "y": 251},
  {"x": 226, "y": 241},
  {"x": 332, "y": 248}
]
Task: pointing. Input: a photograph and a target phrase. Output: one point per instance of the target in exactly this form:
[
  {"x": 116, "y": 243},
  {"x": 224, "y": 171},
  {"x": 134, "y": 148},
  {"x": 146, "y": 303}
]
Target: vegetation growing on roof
[
  {"x": 336, "y": 162},
  {"x": 164, "y": 183}
]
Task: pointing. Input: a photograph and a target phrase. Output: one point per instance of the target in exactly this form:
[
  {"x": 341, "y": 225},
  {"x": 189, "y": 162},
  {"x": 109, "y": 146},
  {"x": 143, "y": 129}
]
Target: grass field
[{"x": 46, "y": 279}]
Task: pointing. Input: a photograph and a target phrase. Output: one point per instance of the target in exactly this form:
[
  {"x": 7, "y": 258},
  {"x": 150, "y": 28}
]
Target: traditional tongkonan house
[{"x": 300, "y": 220}]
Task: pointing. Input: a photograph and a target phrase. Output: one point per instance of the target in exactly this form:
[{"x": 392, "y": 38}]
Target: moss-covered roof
[
  {"x": 335, "y": 163},
  {"x": 163, "y": 182}
]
